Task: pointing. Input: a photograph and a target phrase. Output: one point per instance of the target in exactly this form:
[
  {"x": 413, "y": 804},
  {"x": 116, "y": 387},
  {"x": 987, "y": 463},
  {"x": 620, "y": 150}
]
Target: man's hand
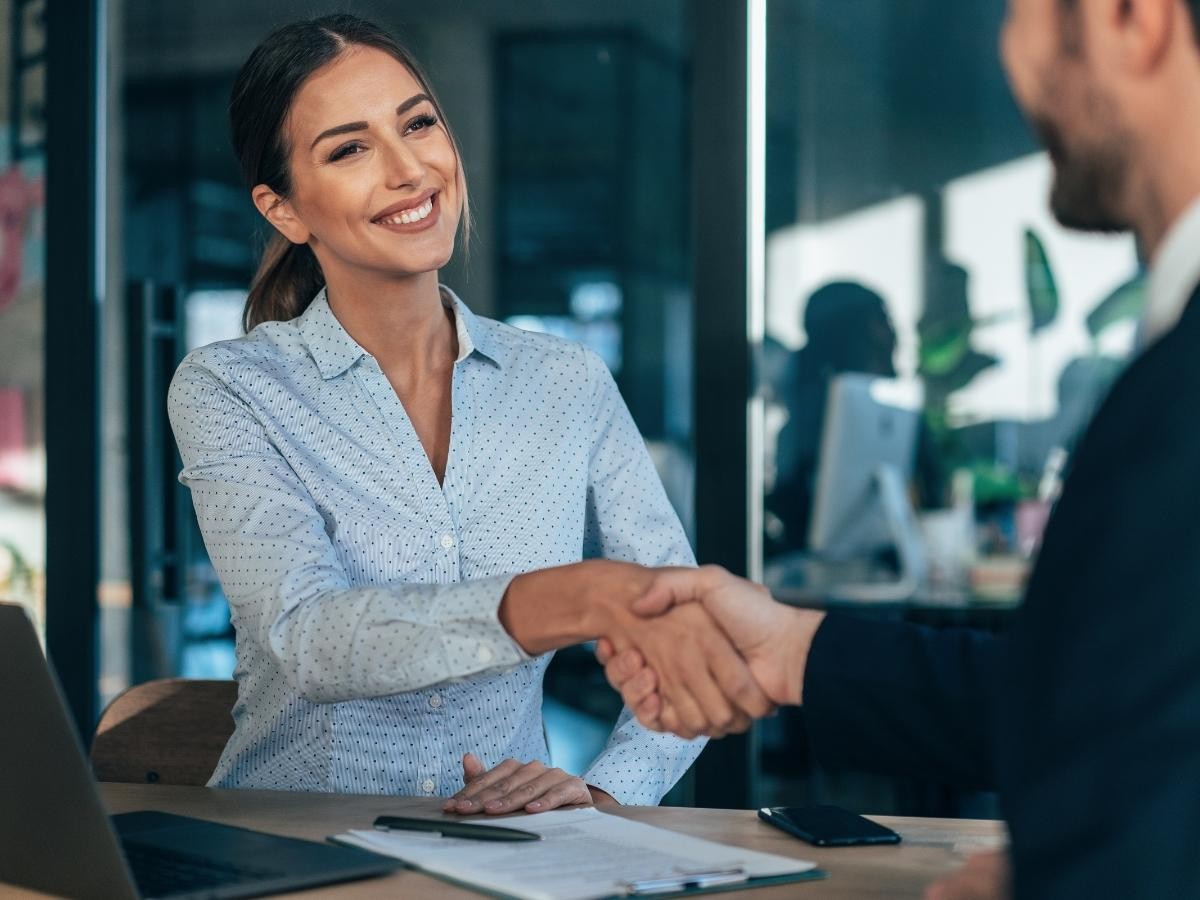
[
  {"x": 511, "y": 786},
  {"x": 711, "y": 689},
  {"x": 772, "y": 638},
  {"x": 986, "y": 876}
]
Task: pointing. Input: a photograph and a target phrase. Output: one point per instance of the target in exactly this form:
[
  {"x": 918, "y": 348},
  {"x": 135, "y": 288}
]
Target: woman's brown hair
[{"x": 288, "y": 275}]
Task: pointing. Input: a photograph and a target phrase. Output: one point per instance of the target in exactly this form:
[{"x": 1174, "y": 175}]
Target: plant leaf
[
  {"x": 939, "y": 356},
  {"x": 1125, "y": 302},
  {"x": 962, "y": 374},
  {"x": 1039, "y": 284}
]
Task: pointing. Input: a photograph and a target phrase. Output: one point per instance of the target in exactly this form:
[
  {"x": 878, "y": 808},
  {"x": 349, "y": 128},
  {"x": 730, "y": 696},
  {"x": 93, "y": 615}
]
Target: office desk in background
[{"x": 931, "y": 847}]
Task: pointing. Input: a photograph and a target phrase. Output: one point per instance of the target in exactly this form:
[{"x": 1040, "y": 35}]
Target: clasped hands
[
  {"x": 705, "y": 652},
  {"x": 772, "y": 642},
  {"x": 692, "y": 651}
]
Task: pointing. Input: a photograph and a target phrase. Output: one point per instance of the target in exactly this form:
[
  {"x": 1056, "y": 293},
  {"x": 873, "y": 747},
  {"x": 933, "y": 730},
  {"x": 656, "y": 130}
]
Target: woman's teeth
[{"x": 416, "y": 214}]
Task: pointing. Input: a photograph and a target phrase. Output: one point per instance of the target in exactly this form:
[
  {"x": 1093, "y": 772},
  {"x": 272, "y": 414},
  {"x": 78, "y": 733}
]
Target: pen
[
  {"x": 684, "y": 881},
  {"x": 464, "y": 830}
]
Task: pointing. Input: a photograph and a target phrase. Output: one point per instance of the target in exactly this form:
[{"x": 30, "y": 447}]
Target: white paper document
[{"x": 584, "y": 854}]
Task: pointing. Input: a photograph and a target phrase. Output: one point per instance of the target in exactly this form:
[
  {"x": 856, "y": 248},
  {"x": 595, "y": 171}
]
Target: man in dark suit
[{"x": 1087, "y": 716}]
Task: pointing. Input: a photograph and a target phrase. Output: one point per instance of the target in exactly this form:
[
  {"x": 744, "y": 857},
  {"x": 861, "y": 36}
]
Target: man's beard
[{"x": 1089, "y": 180}]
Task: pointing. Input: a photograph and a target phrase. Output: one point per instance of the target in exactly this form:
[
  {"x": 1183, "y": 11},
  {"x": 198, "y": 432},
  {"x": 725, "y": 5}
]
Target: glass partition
[
  {"x": 935, "y": 342},
  {"x": 908, "y": 240}
]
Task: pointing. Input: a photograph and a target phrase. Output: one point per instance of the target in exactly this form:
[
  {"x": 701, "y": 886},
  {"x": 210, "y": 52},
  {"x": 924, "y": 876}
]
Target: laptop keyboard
[{"x": 165, "y": 873}]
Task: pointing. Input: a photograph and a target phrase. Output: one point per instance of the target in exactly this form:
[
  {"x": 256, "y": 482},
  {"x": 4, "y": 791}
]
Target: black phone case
[{"x": 856, "y": 840}]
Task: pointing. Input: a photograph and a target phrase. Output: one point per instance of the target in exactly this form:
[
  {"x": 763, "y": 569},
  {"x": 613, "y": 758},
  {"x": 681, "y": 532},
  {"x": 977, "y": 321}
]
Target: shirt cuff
[
  {"x": 639, "y": 766},
  {"x": 473, "y": 639}
]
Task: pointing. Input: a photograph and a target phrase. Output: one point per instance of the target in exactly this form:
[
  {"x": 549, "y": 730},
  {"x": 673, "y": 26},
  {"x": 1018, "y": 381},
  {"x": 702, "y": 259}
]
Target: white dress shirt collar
[
  {"x": 335, "y": 351},
  {"x": 1174, "y": 275}
]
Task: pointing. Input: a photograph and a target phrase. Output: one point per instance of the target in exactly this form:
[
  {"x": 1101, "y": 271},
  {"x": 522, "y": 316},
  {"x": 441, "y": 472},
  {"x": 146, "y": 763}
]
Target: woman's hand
[{"x": 512, "y": 786}]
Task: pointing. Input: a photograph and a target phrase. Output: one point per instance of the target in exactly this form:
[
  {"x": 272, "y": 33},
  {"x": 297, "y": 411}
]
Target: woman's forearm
[{"x": 554, "y": 608}]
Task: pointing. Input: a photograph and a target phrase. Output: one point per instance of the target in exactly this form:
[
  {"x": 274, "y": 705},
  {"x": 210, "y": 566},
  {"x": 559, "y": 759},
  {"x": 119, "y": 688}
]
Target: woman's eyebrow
[
  {"x": 411, "y": 102},
  {"x": 339, "y": 129},
  {"x": 362, "y": 126}
]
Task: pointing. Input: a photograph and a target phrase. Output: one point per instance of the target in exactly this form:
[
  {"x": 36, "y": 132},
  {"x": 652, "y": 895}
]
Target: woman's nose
[{"x": 404, "y": 167}]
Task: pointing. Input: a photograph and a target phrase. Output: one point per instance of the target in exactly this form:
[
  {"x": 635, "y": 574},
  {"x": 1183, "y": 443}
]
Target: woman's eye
[
  {"x": 346, "y": 150},
  {"x": 420, "y": 123}
]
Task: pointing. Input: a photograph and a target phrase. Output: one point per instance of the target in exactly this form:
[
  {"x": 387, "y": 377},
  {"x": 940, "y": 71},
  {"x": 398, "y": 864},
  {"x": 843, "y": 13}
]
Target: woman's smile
[{"x": 411, "y": 215}]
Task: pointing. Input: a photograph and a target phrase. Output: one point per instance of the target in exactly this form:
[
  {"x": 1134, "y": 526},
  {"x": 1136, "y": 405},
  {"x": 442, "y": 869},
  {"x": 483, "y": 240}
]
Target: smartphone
[{"x": 827, "y": 826}]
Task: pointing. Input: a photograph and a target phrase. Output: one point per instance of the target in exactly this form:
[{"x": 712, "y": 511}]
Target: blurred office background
[{"x": 735, "y": 204}]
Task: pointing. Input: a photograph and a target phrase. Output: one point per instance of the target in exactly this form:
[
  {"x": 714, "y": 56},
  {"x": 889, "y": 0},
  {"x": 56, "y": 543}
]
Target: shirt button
[
  {"x": 435, "y": 702},
  {"x": 484, "y": 653},
  {"x": 427, "y": 786},
  {"x": 447, "y": 541}
]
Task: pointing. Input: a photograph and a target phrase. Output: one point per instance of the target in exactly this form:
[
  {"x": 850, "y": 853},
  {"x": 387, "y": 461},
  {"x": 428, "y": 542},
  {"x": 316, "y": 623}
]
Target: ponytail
[{"x": 287, "y": 279}]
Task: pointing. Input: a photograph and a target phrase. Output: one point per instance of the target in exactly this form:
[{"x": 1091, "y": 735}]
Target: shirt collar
[
  {"x": 1174, "y": 275},
  {"x": 475, "y": 335},
  {"x": 331, "y": 346},
  {"x": 335, "y": 351}
]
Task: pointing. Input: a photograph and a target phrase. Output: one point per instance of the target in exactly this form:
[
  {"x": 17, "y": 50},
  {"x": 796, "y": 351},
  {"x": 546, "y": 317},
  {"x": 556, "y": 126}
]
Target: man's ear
[
  {"x": 279, "y": 212},
  {"x": 1143, "y": 31}
]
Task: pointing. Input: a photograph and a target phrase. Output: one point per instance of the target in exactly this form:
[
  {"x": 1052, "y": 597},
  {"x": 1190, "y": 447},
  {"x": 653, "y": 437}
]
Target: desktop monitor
[{"x": 861, "y": 505}]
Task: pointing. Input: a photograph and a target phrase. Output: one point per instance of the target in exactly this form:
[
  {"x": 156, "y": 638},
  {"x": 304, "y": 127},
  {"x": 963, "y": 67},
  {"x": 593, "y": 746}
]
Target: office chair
[{"x": 169, "y": 731}]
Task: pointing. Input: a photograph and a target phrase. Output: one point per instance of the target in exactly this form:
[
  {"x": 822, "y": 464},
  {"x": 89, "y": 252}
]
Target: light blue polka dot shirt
[{"x": 364, "y": 593}]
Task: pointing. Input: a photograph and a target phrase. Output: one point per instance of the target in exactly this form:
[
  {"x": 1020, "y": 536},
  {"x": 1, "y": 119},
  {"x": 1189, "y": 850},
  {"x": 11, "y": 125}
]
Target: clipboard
[
  {"x": 587, "y": 855},
  {"x": 748, "y": 884}
]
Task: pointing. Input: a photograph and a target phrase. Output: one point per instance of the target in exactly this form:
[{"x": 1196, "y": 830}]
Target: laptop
[{"x": 55, "y": 836}]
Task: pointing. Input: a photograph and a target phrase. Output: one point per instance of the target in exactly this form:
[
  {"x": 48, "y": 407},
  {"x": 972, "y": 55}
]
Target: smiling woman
[
  {"x": 286, "y": 97},
  {"x": 410, "y": 506}
]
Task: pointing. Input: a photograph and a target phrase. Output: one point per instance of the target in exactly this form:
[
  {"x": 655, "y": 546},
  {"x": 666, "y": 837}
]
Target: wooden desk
[{"x": 930, "y": 848}]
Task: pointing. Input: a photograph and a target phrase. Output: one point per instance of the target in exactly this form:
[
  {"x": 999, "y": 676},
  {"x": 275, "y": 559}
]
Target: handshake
[
  {"x": 703, "y": 652},
  {"x": 692, "y": 651}
]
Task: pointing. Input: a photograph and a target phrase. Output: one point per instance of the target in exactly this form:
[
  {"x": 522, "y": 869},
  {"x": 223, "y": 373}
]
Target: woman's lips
[{"x": 417, "y": 218}]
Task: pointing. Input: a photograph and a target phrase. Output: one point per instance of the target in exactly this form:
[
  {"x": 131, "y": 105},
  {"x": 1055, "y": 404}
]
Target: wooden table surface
[{"x": 930, "y": 847}]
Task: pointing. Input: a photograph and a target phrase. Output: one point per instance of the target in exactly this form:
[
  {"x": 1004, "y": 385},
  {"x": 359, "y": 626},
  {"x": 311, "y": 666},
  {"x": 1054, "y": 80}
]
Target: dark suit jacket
[
  {"x": 904, "y": 700},
  {"x": 1088, "y": 714},
  {"x": 1100, "y": 717}
]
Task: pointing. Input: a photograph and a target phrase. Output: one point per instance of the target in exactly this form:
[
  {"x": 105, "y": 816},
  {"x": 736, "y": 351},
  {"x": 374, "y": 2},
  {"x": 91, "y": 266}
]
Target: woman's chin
[
  {"x": 429, "y": 258},
  {"x": 411, "y": 266}
]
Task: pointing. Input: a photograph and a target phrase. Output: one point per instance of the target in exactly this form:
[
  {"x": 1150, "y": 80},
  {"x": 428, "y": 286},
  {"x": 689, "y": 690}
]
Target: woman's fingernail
[
  {"x": 536, "y": 804},
  {"x": 494, "y": 804}
]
